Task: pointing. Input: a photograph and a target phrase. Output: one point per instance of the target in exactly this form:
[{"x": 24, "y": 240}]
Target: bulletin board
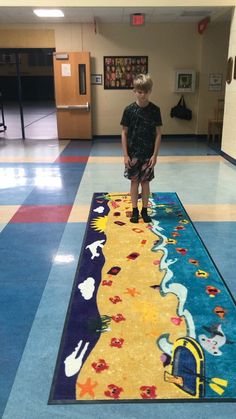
[{"x": 119, "y": 71}]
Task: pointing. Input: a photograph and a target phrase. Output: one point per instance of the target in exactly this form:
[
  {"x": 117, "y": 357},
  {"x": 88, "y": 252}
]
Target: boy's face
[{"x": 142, "y": 97}]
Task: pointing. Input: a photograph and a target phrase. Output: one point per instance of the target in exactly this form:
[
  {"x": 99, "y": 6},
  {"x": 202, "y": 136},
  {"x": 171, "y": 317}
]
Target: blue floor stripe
[
  {"x": 60, "y": 185},
  {"x": 27, "y": 252},
  {"x": 77, "y": 148}
]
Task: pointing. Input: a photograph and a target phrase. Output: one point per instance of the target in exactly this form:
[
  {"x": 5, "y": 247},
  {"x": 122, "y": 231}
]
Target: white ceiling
[{"x": 9, "y": 15}]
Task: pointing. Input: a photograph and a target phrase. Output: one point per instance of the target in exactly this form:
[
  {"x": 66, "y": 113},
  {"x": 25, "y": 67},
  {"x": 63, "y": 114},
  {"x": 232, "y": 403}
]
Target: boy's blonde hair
[{"x": 143, "y": 82}]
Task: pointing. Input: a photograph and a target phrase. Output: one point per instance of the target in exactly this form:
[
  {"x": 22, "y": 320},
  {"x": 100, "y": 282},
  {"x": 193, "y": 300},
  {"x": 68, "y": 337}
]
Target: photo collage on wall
[{"x": 119, "y": 72}]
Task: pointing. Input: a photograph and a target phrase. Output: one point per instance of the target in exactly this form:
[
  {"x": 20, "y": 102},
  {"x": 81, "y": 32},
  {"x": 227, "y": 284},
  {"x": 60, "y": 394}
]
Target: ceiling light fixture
[{"x": 48, "y": 13}]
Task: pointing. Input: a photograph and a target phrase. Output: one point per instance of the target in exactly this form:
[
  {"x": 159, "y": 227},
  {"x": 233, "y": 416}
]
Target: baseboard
[
  {"x": 185, "y": 136},
  {"x": 107, "y": 137},
  {"x": 164, "y": 136},
  {"x": 227, "y": 157}
]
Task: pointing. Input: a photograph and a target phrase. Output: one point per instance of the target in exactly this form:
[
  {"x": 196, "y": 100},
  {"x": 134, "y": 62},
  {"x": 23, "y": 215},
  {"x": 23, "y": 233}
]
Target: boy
[{"x": 141, "y": 138}]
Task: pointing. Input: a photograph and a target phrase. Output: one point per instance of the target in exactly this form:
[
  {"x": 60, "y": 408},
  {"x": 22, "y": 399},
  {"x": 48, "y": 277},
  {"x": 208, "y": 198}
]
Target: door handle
[{"x": 85, "y": 107}]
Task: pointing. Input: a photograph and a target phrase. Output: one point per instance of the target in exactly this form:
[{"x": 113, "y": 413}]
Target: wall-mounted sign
[
  {"x": 61, "y": 56},
  {"x": 137, "y": 19},
  {"x": 66, "y": 70},
  {"x": 96, "y": 79},
  {"x": 215, "y": 82}
]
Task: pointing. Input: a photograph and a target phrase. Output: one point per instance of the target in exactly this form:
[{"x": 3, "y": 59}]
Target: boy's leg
[
  {"x": 134, "y": 199},
  {"x": 134, "y": 193},
  {"x": 145, "y": 197},
  {"x": 145, "y": 193}
]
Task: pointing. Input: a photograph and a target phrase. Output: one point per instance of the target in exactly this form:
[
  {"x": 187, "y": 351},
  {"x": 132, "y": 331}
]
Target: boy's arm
[
  {"x": 124, "y": 145},
  {"x": 153, "y": 159}
]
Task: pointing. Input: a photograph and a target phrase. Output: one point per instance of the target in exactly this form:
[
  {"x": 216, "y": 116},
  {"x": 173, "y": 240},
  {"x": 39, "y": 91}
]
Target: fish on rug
[{"x": 150, "y": 317}]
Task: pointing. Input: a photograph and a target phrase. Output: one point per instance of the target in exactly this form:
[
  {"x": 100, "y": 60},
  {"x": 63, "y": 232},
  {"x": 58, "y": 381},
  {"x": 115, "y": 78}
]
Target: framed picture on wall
[
  {"x": 185, "y": 81},
  {"x": 119, "y": 71}
]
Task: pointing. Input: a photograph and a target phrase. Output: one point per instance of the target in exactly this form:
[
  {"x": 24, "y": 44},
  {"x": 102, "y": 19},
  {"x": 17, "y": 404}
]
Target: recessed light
[{"x": 48, "y": 13}]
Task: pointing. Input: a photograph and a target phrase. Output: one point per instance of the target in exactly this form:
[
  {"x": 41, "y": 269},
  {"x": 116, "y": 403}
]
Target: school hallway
[{"x": 46, "y": 187}]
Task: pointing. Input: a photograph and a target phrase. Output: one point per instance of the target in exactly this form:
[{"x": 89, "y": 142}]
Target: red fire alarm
[
  {"x": 203, "y": 24},
  {"x": 137, "y": 19}
]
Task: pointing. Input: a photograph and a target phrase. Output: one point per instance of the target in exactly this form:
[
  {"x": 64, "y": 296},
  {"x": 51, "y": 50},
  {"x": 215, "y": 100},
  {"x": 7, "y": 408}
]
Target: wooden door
[{"x": 73, "y": 95}]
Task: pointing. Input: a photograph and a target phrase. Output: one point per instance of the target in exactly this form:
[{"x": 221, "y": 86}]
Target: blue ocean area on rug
[{"x": 204, "y": 300}]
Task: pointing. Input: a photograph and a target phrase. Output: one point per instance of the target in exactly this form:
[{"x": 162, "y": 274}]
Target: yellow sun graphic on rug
[{"x": 99, "y": 224}]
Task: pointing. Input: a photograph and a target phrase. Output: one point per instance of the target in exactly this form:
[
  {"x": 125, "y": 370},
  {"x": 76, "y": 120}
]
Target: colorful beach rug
[{"x": 150, "y": 317}]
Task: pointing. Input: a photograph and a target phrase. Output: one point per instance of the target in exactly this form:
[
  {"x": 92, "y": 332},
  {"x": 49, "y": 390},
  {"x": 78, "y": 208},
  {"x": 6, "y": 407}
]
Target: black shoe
[
  {"x": 135, "y": 216},
  {"x": 145, "y": 216}
]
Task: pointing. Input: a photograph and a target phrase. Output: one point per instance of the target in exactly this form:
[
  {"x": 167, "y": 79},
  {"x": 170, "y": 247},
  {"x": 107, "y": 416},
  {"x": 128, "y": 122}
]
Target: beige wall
[
  {"x": 215, "y": 43},
  {"x": 167, "y": 50},
  {"x": 168, "y": 46},
  {"x": 229, "y": 129},
  {"x": 11, "y": 37}
]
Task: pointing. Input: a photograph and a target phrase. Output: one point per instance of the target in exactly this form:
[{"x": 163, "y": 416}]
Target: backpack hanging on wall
[{"x": 181, "y": 111}]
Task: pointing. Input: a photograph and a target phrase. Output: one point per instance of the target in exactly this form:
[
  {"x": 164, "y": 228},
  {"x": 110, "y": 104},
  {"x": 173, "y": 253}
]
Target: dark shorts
[{"x": 139, "y": 171}]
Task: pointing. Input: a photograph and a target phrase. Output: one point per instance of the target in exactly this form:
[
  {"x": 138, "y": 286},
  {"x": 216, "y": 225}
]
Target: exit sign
[{"x": 137, "y": 19}]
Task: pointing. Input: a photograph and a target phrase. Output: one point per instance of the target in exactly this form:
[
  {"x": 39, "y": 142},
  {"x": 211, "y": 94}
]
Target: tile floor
[{"x": 45, "y": 192}]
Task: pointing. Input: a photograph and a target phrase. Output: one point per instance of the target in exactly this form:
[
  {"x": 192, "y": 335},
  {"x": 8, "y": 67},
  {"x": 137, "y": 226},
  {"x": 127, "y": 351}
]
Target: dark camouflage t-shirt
[{"x": 141, "y": 123}]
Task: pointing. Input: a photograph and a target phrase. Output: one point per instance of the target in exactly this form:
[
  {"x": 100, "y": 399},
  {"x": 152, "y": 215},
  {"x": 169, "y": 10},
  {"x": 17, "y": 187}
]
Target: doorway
[{"x": 27, "y": 93}]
